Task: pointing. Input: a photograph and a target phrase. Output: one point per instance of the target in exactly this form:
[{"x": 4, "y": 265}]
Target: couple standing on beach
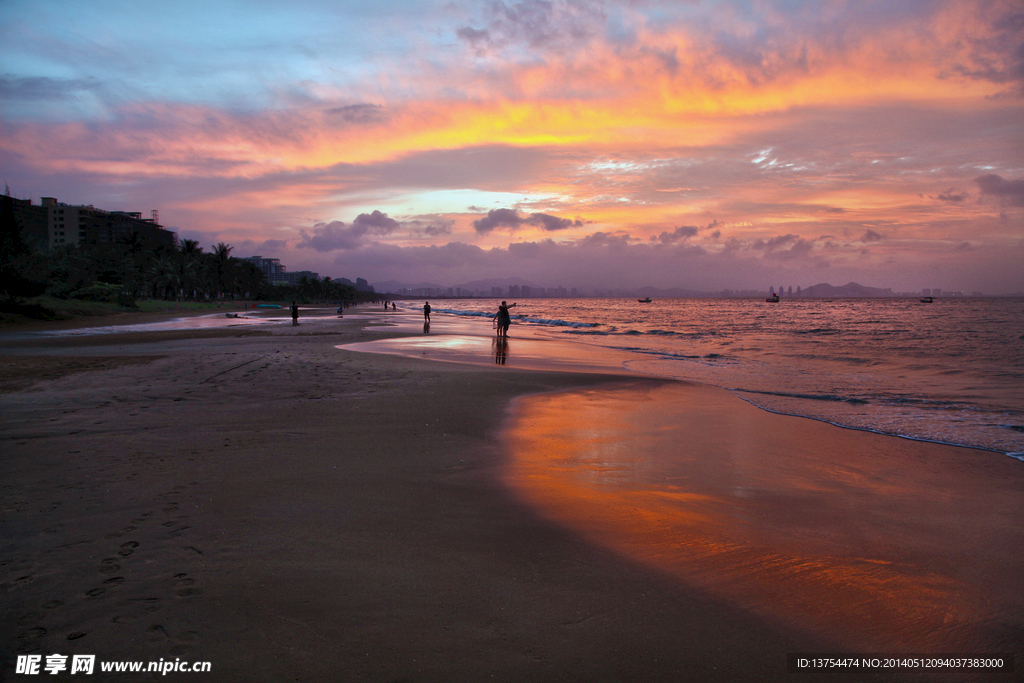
[{"x": 502, "y": 319}]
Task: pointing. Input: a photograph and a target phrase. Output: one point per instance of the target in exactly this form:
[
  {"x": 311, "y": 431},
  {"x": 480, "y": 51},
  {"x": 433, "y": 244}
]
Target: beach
[{"x": 260, "y": 499}]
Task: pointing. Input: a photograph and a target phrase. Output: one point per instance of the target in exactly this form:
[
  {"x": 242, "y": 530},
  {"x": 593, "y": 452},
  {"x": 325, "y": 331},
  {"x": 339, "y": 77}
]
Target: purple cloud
[
  {"x": 337, "y": 235},
  {"x": 683, "y": 232},
  {"x": 1009, "y": 191},
  {"x": 510, "y": 218}
]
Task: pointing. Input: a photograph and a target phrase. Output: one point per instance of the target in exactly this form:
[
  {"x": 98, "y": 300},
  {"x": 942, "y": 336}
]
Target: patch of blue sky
[
  {"x": 457, "y": 201},
  {"x": 224, "y": 53}
]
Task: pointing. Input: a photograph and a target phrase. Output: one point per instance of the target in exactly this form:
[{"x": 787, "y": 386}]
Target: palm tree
[
  {"x": 190, "y": 247},
  {"x": 170, "y": 273},
  {"x": 251, "y": 280},
  {"x": 222, "y": 259},
  {"x": 191, "y": 255}
]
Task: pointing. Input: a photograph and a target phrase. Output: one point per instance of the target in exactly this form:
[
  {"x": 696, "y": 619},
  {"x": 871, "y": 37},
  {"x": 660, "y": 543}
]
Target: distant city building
[
  {"x": 32, "y": 220},
  {"x": 294, "y": 278},
  {"x": 926, "y": 292},
  {"x": 54, "y": 224},
  {"x": 276, "y": 273},
  {"x": 270, "y": 267}
]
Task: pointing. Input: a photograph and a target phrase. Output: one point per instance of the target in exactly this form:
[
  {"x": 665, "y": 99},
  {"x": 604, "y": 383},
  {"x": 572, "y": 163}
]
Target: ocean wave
[
  {"x": 818, "y": 330},
  {"x": 555, "y": 322},
  {"x": 834, "y": 398},
  {"x": 470, "y": 314}
]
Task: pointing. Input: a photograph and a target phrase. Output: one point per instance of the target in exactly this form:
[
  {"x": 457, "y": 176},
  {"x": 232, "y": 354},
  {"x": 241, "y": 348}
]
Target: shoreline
[
  {"x": 802, "y": 523},
  {"x": 299, "y": 510}
]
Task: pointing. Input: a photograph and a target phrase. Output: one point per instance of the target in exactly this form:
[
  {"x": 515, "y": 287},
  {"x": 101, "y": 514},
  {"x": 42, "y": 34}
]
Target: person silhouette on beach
[
  {"x": 426, "y": 312},
  {"x": 503, "y": 319},
  {"x": 295, "y": 313}
]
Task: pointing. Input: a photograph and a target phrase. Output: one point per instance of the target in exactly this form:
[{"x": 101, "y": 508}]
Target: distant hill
[
  {"x": 850, "y": 289},
  {"x": 822, "y": 290}
]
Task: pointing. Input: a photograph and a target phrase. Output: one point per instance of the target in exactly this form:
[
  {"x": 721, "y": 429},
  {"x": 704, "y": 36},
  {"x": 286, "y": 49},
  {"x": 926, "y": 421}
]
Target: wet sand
[
  {"x": 880, "y": 544},
  {"x": 288, "y": 510}
]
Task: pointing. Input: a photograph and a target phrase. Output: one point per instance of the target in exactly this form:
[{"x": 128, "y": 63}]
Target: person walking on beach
[
  {"x": 295, "y": 313},
  {"x": 426, "y": 312},
  {"x": 503, "y": 319}
]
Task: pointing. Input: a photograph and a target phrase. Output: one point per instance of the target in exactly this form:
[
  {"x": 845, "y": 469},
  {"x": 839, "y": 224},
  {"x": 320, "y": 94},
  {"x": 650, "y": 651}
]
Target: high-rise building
[
  {"x": 31, "y": 219},
  {"x": 271, "y": 267},
  {"x": 68, "y": 224}
]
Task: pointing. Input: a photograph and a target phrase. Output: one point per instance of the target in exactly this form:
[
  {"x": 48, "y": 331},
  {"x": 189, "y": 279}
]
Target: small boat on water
[
  {"x": 644, "y": 301},
  {"x": 267, "y": 306},
  {"x": 927, "y": 300},
  {"x": 773, "y": 299}
]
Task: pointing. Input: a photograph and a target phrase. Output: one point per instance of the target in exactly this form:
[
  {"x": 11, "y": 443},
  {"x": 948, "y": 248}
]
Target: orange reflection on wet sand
[{"x": 878, "y": 543}]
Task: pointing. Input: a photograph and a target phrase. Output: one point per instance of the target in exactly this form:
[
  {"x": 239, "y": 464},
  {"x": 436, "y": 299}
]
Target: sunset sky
[{"x": 582, "y": 143}]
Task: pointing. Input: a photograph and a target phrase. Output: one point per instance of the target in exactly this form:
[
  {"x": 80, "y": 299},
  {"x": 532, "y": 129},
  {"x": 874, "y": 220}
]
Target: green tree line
[{"x": 134, "y": 267}]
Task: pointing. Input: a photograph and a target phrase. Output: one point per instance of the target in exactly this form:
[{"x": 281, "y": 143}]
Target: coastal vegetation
[{"x": 93, "y": 278}]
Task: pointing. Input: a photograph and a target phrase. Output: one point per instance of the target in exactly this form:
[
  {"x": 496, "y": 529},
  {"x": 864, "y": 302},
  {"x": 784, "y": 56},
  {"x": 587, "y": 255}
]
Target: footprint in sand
[
  {"x": 28, "y": 641},
  {"x": 147, "y": 604},
  {"x": 128, "y": 548},
  {"x": 109, "y": 565},
  {"x": 158, "y": 633},
  {"x": 184, "y": 586}
]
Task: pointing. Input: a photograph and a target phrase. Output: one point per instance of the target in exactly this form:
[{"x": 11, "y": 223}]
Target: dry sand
[{"x": 286, "y": 510}]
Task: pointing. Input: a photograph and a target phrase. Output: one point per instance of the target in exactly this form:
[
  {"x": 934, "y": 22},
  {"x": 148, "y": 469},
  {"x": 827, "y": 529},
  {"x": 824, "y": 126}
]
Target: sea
[{"x": 951, "y": 371}]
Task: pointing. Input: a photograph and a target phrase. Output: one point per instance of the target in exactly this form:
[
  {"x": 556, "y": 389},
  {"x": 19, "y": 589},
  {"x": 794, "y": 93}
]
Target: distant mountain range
[
  {"x": 850, "y": 289},
  {"x": 821, "y": 290}
]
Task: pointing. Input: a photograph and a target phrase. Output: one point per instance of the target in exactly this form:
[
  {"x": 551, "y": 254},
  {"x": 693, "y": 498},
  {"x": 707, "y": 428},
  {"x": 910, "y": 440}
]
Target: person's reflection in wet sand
[
  {"x": 500, "y": 345},
  {"x": 426, "y": 327}
]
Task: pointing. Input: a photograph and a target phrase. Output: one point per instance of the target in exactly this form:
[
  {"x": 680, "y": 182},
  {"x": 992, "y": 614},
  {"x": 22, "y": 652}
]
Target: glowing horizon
[{"x": 705, "y": 146}]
